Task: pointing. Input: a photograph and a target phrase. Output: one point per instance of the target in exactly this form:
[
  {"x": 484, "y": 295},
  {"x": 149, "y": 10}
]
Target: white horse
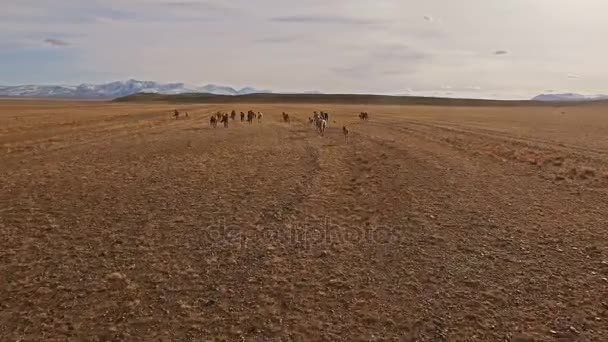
[{"x": 321, "y": 125}]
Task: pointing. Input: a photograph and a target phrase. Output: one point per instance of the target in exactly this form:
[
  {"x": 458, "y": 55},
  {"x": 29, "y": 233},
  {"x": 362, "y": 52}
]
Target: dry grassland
[{"x": 119, "y": 222}]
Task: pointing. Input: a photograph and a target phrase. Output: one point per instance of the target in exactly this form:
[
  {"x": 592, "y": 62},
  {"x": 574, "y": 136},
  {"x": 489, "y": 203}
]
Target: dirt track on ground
[{"x": 430, "y": 224}]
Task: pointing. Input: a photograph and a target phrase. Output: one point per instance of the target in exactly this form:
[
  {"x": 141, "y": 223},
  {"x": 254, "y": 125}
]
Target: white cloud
[
  {"x": 337, "y": 46},
  {"x": 56, "y": 42}
]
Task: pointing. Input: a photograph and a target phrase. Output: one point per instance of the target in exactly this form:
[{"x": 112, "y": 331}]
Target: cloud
[
  {"x": 354, "y": 71},
  {"x": 205, "y": 6},
  {"x": 108, "y": 13},
  {"x": 388, "y": 62},
  {"x": 383, "y": 61},
  {"x": 56, "y": 42},
  {"x": 307, "y": 41},
  {"x": 183, "y": 3},
  {"x": 397, "y": 53},
  {"x": 276, "y": 40},
  {"x": 308, "y": 19}
]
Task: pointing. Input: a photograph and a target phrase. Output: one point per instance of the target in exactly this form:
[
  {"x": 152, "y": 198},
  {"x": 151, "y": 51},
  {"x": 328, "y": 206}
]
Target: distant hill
[
  {"x": 117, "y": 89},
  {"x": 568, "y": 97},
  {"x": 124, "y": 90},
  {"x": 319, "y": 98}
]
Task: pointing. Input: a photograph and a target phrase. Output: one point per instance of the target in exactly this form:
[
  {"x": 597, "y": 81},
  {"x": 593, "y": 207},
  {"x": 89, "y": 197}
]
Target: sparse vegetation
[{"x": 119, "y": 222}]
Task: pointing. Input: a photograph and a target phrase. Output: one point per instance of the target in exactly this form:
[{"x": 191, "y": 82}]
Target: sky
[{"x": 507, "y": 49}]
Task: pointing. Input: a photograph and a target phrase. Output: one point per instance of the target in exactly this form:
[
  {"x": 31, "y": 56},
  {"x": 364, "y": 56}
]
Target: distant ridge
[
  {"x": 117, "y": 89},
  {"x": 193, "y": 93},
  {"x": 568, "y": 97},
  {"x": 320, "y": 98}
]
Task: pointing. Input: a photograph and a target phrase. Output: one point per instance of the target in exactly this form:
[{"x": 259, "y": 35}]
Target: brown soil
[{"x": 119, "y": 222}]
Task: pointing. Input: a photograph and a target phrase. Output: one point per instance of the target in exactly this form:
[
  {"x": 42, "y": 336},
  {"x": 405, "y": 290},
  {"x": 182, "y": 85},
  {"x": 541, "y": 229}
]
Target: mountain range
[
  {"x": 130, "y": 87},
  {"x": 119, "y": 89},
  {"x": 568, "y": 97}
]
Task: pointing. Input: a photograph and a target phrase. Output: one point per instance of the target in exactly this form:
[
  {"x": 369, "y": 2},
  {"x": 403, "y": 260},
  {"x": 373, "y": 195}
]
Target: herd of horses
[
  {"x": 319, "y": 120},
  {"x": 223, "y": 118}
]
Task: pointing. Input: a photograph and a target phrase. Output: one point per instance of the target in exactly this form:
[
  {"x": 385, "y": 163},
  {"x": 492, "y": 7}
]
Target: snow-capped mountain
[
  {"x": 118, "y": 89},
  {"x": 35, "y": 91},
  {"x": 223, "y": 90},
  {"x": 568, "y": 97}
]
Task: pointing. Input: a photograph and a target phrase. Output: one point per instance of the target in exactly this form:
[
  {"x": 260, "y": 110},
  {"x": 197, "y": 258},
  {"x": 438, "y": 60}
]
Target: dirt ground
[{"x": 119, "y": 222}]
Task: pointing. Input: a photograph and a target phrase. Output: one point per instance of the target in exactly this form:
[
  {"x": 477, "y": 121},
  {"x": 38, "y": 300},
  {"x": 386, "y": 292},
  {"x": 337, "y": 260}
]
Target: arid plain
[{"x": 430, "y": 223}]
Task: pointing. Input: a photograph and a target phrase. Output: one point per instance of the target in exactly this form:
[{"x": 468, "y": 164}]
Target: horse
[
  {"x": 326, "y": 117},
  {"x": 322, "y": 126},
  {"x": 345, "y": 132},
  {"x": 176, "y": 114},
  {"x": 233, "y": 115},
  {"x": 260, "y": 115},
  {"x": 213, "y": 121}
]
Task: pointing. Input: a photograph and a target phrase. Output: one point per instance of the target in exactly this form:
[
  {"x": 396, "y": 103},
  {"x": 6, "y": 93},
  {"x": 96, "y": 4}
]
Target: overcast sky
[{"x": 473, "y": 48}]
